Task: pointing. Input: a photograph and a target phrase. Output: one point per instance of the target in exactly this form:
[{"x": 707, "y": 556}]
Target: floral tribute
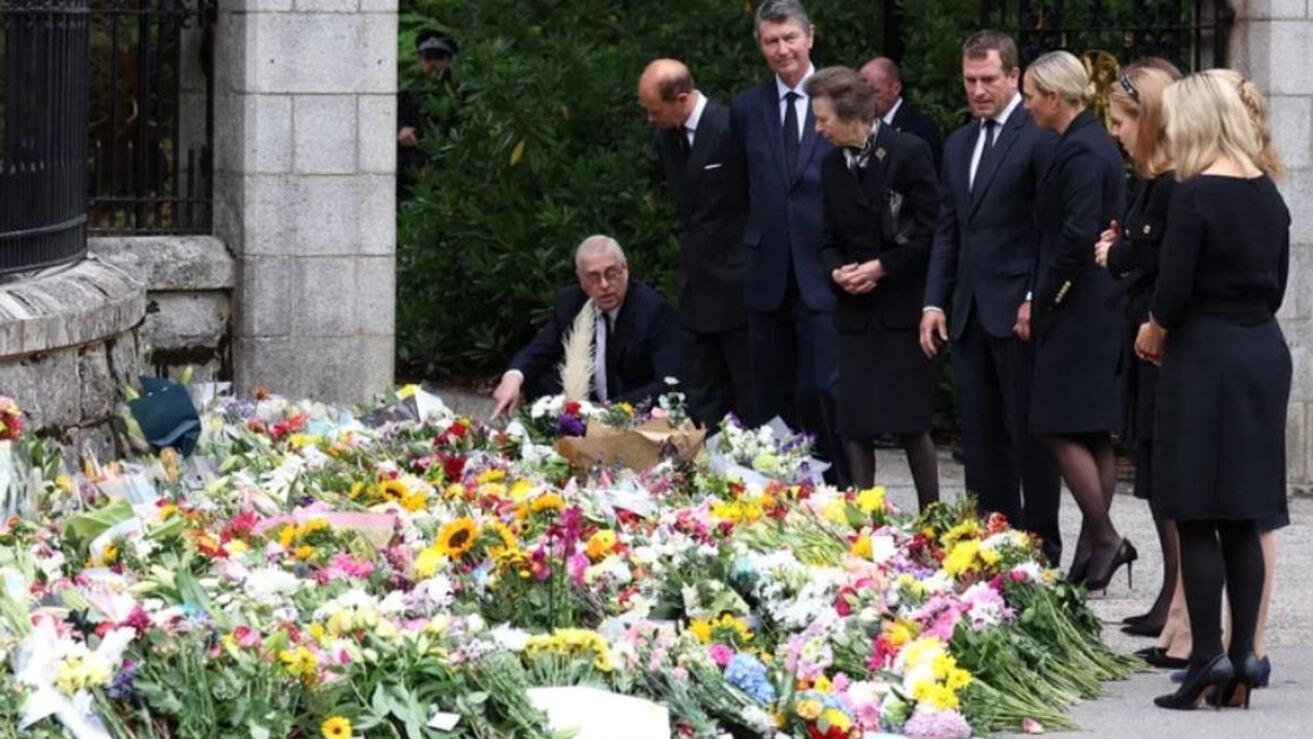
[{"x": 307, "y": 574}]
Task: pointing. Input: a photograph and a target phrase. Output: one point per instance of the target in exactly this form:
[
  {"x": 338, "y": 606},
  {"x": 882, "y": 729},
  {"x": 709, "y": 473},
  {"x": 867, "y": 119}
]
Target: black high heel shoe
[
  {"x": 1125, "y": 555},
  {"x": 1144, "y": 628},
  {"x": 1079, "y": 572},
  {"x": 1247, "y": 672},
  {"x": 1200, "y": 686}
]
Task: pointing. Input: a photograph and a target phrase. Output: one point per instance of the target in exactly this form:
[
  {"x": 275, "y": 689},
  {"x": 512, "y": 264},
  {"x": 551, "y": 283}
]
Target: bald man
[
  {"x": 700, "y": 157},
  {"x": 885, "y": 78}
]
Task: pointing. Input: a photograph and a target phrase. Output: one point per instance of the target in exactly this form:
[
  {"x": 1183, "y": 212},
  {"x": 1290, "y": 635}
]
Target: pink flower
[
  {"x": 577, "y": 565},
  {"x": 720, "y": 654}
]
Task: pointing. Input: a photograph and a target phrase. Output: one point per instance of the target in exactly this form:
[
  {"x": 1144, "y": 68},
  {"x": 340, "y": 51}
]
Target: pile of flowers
[{"x": 305, "y": 573}]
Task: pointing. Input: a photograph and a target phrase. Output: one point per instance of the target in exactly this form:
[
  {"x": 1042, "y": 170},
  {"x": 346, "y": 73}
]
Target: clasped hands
[
  {"x": 859, "y": 277},
  {"x": 1149, "y": 342}
]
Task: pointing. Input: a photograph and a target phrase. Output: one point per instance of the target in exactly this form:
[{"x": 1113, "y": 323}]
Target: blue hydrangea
[{"x": 748, "y": 674}]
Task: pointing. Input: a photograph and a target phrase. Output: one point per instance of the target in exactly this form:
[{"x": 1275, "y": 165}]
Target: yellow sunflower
[
  {"x": 393, "y": 490},
  {"x": 336, "y": 727},
  {"x": 457, "y": 537}
]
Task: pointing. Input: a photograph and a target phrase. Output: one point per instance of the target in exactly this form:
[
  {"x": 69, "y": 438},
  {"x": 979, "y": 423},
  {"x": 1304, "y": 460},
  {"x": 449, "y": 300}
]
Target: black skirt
[
  {"x": 1219, "y": 436},
  {"x": 1075, "y": 388},
  {"x": 886, "y": 383}
]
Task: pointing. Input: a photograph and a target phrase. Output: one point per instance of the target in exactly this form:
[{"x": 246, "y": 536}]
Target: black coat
[
  {"x": 909, "y": 119},
  {"x": 707, "y": 183},
  {"x": 885, "y": 382},
  {"x": 855, "y": 204},
  {"x": 986, "y": 240},
  {"x": 646, "y": 345},
  {"x": 1076, "y": 324}
]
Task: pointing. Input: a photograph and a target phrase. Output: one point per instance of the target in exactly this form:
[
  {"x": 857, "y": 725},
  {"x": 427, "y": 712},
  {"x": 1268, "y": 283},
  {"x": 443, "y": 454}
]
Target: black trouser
[
  {"x": 718, "y": 374},
  {"x": 993, "y": 386},
  {"x": 795, "y": 368}
]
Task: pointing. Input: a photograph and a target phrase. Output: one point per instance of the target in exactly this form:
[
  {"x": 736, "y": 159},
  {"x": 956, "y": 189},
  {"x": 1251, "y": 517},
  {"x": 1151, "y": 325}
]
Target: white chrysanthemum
[{"x": 269, "y": 586}]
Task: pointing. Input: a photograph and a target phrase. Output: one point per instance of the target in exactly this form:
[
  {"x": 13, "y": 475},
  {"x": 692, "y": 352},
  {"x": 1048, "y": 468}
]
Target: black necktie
[
  {"x": 681, "y": 137},
  {"x": 790, "y": 132},
  {"x": 609, "y": 359},
  {"x": 989, "y": 136}
]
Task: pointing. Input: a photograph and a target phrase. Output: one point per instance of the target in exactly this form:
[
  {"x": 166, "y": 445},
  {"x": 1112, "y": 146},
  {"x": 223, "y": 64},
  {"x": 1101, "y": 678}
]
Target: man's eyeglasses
[{"x": 611, "y": 274}]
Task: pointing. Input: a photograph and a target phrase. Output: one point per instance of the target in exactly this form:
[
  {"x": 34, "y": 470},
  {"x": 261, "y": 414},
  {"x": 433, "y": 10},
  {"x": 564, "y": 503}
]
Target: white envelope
[{"x": 597, "y": 714}]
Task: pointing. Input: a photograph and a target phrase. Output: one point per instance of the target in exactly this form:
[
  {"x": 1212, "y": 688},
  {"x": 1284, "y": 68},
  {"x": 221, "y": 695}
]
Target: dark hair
[
  {"x": 779, "y": 11},
  {"x": 980, "y": 43},
  {"x": 851, "y": 95},
  {"x": 431, "y": 33},
  {"x": 673, "y": 85}
]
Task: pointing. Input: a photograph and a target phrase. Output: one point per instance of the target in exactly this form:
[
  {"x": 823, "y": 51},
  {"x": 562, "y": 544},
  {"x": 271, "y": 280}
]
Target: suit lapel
[
  {"x": 989, "y": 164},
  {"x": 770, "y": 108},
  {"x": 873, "y": 177},
  {"x": 704, "y": 140}
]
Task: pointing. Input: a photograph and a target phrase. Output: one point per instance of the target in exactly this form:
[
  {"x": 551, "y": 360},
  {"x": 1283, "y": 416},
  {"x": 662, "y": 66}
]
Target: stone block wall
[
  {"x": 305, "y": 120},
  {"x": 189, "y": 285},
  {"x": 68, "y": 345},
  {"x": 1272, "y": 44}
]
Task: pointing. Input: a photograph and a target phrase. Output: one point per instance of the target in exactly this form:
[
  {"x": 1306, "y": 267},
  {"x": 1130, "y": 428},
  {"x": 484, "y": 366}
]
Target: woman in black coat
[
  {"x": 880, "y": 201},
  {"x": 1129, "y": 249},
  {"x": 1224, "y": 384},
  {"x": 1077, "y": 333}
]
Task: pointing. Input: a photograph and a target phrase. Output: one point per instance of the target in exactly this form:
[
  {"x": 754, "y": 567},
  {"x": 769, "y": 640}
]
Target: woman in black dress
[
  {"x": 1129, "y": 249},
  {"x": 880, "y": 202},
  {"x": 1220, "y": 415},
  {"x": 1077, "y": 334}
]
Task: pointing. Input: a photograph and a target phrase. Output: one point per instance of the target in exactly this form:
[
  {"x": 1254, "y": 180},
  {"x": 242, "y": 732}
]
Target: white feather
[{"x": 579, "y": 357}]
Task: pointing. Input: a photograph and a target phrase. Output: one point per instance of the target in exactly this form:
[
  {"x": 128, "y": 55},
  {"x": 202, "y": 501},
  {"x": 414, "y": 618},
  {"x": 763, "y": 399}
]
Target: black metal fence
[
  {"x": 152, "y": 116},
  {"x": 1191, "y": 33},
  {"x": 43, "y": 124}
]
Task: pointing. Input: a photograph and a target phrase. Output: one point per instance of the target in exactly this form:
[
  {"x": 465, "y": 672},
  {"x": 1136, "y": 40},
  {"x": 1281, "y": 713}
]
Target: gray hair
[
  {"x": 848, "y": 91},
  {"x": 599, "y": 244},
  {"x": 780, "y": 11}
]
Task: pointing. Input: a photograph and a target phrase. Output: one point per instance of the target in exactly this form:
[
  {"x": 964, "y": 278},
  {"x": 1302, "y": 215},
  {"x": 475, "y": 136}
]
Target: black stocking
[
  {"x": 861, "y": 461},
  {"x": 1203, "y": 570},
  {"x": 924, "y": 464},
  {"x": 1244, "y": 581},
  {"x": 1083, "y": 462},
  {"x": 1157, "y": 614}
]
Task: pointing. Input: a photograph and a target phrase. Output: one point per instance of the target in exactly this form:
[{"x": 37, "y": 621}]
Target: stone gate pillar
[
  {"x": 1272, "y": 44},
  {"x": 305, "y": 110}
]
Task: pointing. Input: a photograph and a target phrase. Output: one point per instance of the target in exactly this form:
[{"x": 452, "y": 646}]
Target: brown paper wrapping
[{"x": 638, "y": 449}]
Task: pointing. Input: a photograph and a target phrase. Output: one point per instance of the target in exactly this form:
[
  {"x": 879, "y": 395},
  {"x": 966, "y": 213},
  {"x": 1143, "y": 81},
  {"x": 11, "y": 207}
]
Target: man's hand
[
  {"x": 406, "y": 137},
  {"x": 1022, "y": 326},
  {"x": 507, "y": 394},
  {"x": 1105, "y": 242},
  {"x": 934, "y": 331},
  {"x": 1149, "y": 342}
]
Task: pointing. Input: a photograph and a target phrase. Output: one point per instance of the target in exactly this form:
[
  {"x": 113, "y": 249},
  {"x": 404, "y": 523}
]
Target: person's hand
[
  {"x": 934, "y": 331},
  {"x": 846, "y": 277},
  {"x": 406, "y": 137},
  {"x": 1105, "y": 242},
  {"x": 507, "y": 394},
  {"x": 1022, "y": 327},
  {"x": 1149, "y": 342},
  {"x": 866, "y": 276}
]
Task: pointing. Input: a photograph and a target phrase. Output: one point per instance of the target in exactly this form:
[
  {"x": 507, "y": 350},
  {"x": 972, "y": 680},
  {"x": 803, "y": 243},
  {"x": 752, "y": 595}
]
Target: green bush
[{"x": 547, "y": 145}]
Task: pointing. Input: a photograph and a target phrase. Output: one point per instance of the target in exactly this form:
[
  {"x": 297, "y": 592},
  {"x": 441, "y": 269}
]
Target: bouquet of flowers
[{"x": 771, "y": 452}]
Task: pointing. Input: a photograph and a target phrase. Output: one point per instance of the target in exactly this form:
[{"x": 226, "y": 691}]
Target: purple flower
[
  {"x": 121, "y": 689},
  {"x": 568, "y": 425},
  {"x": 930, "y": 724}
]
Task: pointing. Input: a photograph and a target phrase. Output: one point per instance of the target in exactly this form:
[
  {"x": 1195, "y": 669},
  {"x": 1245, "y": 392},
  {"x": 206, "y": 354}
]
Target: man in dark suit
[
  {"x": 701, "y": 162},
  {"x": 883, "y": 75},
  {"x": 637, "y": 343},
  {"x": 795, "y": 355},
  {"x": 981, "y": 269}
]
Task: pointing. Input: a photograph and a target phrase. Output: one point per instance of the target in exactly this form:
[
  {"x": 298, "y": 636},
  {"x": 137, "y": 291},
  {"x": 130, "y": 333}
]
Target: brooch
[
  {"x": 1146, "y": 229},
  {"x": 879, "y": 153}
]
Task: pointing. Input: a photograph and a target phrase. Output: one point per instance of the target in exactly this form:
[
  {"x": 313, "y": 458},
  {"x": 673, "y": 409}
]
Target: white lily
[{"x": 59, "y": 670}]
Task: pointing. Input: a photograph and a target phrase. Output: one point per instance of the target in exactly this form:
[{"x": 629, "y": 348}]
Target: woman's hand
[
  {"x": 1106, "y": 240},
  {"x": 866, "y": 276},
  {"x": 1149, "y": 342}
]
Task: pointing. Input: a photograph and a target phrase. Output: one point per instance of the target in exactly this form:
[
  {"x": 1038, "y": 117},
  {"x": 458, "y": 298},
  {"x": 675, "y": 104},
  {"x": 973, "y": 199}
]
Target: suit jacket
[
  {"x": 646, "y": 345},
  {"x": 910, "y": 120},
  {"x": 784, "y": 228},
  {"x": 986, "y": 242},
  {"x": 855, "y": 207},
  {"x": 707, "y": 183}
]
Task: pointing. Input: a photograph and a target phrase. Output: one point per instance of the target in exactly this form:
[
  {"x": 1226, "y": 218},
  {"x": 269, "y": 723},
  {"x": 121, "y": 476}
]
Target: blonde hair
[
  {"x": 1063, "y": 73},
  {"x": 1206, "y": 119},
  {"x": 1143, "y": 104},
  {"x": 1268, "y": 159}
]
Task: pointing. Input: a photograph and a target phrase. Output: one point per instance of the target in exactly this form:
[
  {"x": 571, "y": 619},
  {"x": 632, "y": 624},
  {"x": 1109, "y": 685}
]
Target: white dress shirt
[
  {"x": 800, "y": 104},
  {"x": 1000, "y": 119},
  {"x": 893, "y": 111},
  {"x": 690, "y": 128}
]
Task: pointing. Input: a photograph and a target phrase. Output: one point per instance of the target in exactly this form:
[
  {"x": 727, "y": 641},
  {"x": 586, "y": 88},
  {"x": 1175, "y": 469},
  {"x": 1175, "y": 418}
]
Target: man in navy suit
[
  {"x": 982, "y": 267},
  {"x": 637, "y": 335},
  {"x": 884, "y": 77},
  {"x": 702, "y": 166},
  {"x": 794, "y": 342}
]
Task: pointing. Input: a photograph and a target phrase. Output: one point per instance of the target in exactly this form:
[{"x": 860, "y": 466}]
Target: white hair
[{"x": 599, "y": 244}]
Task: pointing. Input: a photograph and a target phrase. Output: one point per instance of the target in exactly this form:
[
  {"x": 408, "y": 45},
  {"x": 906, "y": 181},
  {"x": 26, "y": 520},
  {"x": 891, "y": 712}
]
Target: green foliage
[{"x": 547, "y": 145}]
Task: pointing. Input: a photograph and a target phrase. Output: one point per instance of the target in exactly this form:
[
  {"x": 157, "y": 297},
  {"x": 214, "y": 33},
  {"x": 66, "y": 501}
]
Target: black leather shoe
[
  {"x": 1158, "y": 657},
  {"x": 1143, "y": 628},
  {"x": 1201, "y": 684}
]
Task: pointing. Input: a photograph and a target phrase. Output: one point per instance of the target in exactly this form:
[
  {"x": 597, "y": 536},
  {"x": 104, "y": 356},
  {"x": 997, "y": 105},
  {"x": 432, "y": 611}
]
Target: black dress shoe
[
  {"x": 1143, "y": 628},
  {"x": 1202, "y": 683},
  {"x": 1158, "y": 657}
]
